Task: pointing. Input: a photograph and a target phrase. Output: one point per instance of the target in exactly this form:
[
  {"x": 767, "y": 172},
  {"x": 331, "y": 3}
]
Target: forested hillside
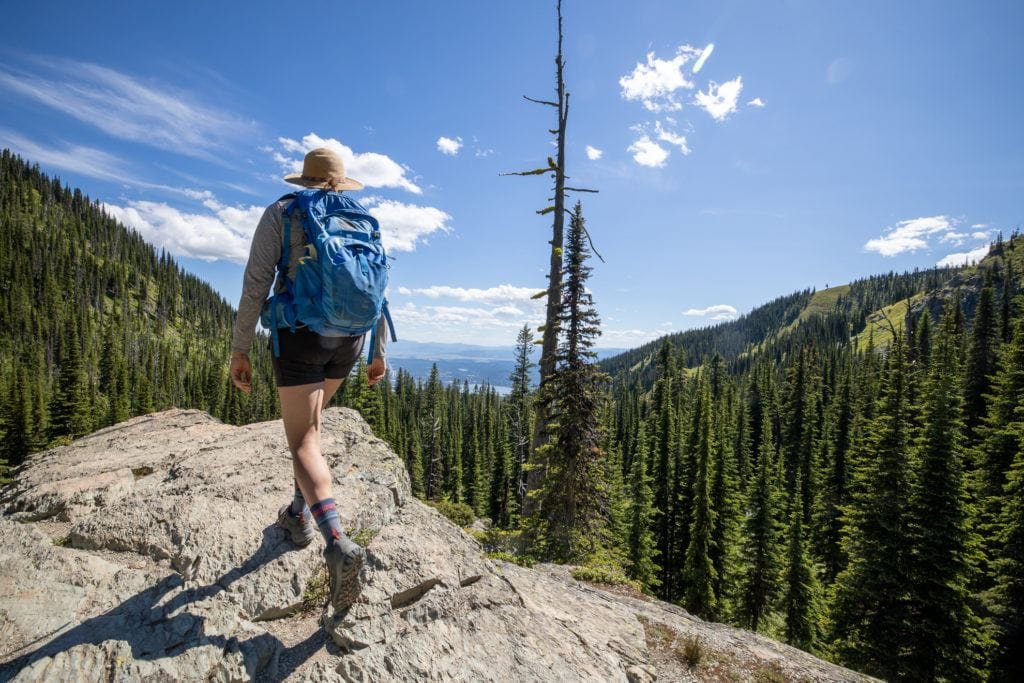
[
  {"x": 828, "y": 316},
  {"x": 96, "y": 326}
]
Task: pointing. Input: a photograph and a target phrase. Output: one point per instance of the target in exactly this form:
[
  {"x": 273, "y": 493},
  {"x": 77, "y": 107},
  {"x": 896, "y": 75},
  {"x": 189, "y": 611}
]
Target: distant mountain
[
  {"x": 459, "y": 362},
  {"x": 852, "y": 313}
]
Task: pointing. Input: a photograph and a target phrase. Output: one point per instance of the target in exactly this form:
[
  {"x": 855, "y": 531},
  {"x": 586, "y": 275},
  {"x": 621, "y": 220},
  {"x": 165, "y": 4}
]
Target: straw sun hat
[{"x": 325, "y": 169}]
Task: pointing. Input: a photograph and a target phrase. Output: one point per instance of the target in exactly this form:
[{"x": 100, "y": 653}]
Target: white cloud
[
  {"x": 756, "y": 102},
  {"x": 965, "y": 258},
  {"x": 495, "y": 295},
  {"x": 224, "y": 233},
  {"x": 123, "y": 107},
  {"x": 404, "y": 225},
  {"x": 646, "y": 152},
  {"x": 979, "y": 225},
  {"x": 981, "y": 235},
  {"x": 910, "y": 235},
  {"x": 671, "y": 137},
  {"x": 449, "y": 146},
  {"x": 716, "y": 312},
  {"x": 703, "y": 57},
  {"x": 720, "y": 100},
  {"x": 371, "y": 168},
  {"x": 593, "y": 153},
  {"x": 481, "y": 324},
  {"x": 655, "y": 82}
]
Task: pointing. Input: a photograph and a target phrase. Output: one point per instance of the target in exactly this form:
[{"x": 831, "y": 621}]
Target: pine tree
[
  {"x": 871, "y": 613},
  {"x": 432, "y": 436},
  {"x": 800, "y": 602},
  {"x": 944, "y": 633},
  {"x": 981, "y": 361},
  {"x": 569, "y": 522},
  {"x": 520, "y": 428},
  {"x": 500, "y": 499},
  {"x": 642, "y": 550},
  {"x": 70, "y": 406},
  {"x": 726, "y": 504},
  {"x": 699, "y": 575},
  {"x": 1007, "y": 662},
  {"x": 665, "y": 448},
  {"x": 835, "y": 491},
  {"x": 763, "y": 534}
]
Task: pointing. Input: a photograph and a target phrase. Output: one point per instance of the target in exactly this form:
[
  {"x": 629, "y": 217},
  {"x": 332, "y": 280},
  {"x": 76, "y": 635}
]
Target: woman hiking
[{"x": 331, "y": 273}]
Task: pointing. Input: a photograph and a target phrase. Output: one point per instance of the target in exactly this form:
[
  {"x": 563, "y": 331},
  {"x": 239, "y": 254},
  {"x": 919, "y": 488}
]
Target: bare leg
[
  {"x": 300, "y": 409},
  {"x": 331, "y": 386}
]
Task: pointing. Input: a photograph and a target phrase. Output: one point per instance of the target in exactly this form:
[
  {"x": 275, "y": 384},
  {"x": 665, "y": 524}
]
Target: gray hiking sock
[
  {"x": 298, "y": 502},
  {"x": 325, "y": 514}
]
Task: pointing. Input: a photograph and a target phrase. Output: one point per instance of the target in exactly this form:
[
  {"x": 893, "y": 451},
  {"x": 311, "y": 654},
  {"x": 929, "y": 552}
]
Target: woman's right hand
[{"x": 241, "y": 371}]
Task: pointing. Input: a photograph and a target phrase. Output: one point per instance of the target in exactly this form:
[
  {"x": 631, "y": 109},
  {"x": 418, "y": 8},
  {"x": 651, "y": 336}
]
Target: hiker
[{"x": 318, "y": 318}]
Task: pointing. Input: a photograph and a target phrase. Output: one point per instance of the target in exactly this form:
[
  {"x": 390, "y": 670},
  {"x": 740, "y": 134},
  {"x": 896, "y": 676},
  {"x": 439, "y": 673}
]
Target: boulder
[{"x": 147, "y": 552}]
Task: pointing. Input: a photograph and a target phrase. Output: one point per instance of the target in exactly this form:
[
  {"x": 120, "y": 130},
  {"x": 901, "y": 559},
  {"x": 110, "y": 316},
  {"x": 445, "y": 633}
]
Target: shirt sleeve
[
  {"x": 264, "y": 253},
  {"x": 381, "y": 340}
]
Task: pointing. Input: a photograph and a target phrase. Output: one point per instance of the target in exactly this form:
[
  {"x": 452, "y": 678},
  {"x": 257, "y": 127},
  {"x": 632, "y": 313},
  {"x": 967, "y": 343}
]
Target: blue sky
[{"x": 747, "y": 149}]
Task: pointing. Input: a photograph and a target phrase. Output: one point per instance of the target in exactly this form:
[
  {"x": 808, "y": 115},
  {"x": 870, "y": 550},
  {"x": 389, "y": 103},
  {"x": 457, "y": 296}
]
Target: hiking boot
[
  {"x": 300, "y": 528},
  {"x": 344, "y": 560}
]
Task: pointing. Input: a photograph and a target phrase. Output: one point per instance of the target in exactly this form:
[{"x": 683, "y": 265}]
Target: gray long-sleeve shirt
[{"x": 264, "y": 253}]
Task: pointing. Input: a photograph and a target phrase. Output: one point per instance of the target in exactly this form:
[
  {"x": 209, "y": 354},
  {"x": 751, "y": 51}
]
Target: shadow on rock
[{"x": 156, "y": 627}]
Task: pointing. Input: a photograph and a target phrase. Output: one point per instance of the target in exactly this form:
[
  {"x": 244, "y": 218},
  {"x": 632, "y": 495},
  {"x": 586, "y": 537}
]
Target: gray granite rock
[{"x": 146, "y": 552}]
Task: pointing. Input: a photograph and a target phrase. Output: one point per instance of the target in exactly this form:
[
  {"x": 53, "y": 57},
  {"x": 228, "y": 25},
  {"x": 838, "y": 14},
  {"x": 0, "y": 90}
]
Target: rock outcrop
[{"x": 146, "y": 551}]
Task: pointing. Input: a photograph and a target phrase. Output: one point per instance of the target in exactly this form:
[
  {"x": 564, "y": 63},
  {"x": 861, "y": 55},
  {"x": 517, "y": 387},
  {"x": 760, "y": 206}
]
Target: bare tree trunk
[{"x": 549, "y": 340}]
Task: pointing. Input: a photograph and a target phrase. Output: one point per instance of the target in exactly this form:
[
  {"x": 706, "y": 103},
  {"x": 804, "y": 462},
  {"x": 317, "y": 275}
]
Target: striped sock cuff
[{"x": 323, "y": 509}]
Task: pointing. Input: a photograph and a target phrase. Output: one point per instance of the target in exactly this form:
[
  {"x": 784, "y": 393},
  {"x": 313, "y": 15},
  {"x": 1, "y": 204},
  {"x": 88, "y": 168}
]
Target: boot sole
[{"x": 345, "y": 584}]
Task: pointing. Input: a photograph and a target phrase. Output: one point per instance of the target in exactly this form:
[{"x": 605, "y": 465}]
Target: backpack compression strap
[
  {"x": 282, "y": 273},
  {"x": 373, "y": 332}
]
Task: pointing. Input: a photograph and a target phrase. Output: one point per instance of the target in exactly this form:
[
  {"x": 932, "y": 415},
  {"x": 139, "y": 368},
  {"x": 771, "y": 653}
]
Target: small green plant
[
  {"x": 521, "y": 560},
  {"x": 459, "y": 513},
  {"x": 770, "y": 674},
  {"x": 363, "y": 536},
  {"x": 317, "y": 588},
  {"x": 62, "y": 541},
  {"x": 602, "y": 568},
  {"x": 691, "y": 652}
]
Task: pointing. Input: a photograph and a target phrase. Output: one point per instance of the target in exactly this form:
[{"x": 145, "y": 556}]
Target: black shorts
[{"x": 309, "y": 358}]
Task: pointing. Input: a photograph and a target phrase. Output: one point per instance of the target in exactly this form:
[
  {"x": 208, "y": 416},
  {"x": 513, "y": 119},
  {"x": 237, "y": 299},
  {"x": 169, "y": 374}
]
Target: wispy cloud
[
  {"x": 720, "y": 100},
  {"x": 403, "y": 226},
  {"x": 716, "y": 312},
  {"x": 593, "y": 153},
  {"x": 756, "y": 102},
  {"x": 964, "y": 258},
  {"x": 86, "y": 161},
  {"x": 671, "y": 137},
  {"x": 449, "y": 146},
  {"x": 371, "y": 168},
  {"x": 656, "y": 81},
  {"x": 838, "y": 70},
  {"x": 124, "y": 107}
]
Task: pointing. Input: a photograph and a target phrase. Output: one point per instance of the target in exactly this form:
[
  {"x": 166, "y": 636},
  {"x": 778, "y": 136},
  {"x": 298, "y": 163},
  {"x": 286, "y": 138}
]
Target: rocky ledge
[{"x": 146, "y": 551}]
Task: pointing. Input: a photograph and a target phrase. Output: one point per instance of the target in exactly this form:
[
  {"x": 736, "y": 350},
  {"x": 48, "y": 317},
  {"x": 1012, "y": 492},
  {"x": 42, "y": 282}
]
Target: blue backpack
[{"x": 339, "y": 282}]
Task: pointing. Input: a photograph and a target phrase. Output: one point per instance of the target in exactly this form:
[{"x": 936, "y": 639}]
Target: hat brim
[{"x": 346, "y": 184}]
